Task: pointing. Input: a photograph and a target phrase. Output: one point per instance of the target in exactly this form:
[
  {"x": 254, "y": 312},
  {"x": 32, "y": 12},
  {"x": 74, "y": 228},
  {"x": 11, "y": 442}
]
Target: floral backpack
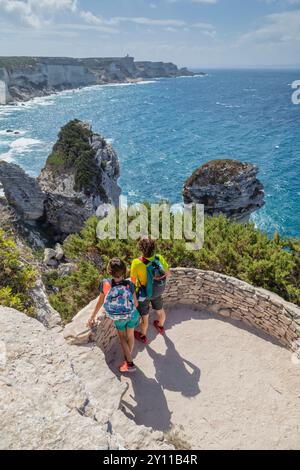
[{"x": 119, "y": 301}]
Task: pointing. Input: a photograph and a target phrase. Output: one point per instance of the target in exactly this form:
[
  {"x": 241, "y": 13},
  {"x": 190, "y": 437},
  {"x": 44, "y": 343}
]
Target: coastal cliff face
[
  {"x": 160, "y": 69},
  {"x": 80, "y": 174},
  {"x": 226, "y": 187},
  {"x": 4, "y": 93},
  {"x": 22, "y": 192},
  {"x": 24, "y": 78}
]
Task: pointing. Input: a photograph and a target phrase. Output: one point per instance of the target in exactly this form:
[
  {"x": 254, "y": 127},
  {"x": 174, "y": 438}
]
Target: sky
[{"x": 193, "y": 33}]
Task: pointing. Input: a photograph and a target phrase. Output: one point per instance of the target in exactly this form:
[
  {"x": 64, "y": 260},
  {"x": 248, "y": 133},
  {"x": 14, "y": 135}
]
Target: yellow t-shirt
[{"x": 138, "y": 272}]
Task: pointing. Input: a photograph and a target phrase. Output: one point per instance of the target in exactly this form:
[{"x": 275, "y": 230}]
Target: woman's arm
[{"x": 100, "y": 302}]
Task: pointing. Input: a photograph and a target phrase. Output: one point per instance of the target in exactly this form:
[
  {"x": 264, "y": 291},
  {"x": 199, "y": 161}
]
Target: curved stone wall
[
  {"x": 222, "y": 295},
  {"x": 235, "y": 299}
]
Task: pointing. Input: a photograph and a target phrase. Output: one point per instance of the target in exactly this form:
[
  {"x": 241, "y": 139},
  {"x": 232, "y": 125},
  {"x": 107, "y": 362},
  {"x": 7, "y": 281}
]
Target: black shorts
[{"x": 144, "y": 307}]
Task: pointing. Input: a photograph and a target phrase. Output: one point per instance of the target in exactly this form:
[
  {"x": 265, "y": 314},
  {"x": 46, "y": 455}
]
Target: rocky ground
[
  {"x": 221, "y": 385},
  {"x": 56, "y": 396}
]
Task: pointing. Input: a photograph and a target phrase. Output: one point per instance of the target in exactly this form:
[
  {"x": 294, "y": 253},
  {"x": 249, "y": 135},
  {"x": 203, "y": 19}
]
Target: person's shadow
[
  {"x": 151, "y": 407},
  {"x": 172, "y": 373}
]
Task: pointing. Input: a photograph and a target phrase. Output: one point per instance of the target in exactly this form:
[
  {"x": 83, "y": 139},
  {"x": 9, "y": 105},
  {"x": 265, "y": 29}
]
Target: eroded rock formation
[
  {"x": 226, "y": 187},
  {"x": 80, "y": 174},
  {"x": 22, "y": 192}
]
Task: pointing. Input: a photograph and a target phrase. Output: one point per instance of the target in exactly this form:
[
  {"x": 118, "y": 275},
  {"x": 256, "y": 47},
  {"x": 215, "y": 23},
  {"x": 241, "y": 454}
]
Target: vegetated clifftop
[
  {"x": 23, "y": 78},
  {"x": 80, "y": 174},
  {"x": 226, "y": 187}
]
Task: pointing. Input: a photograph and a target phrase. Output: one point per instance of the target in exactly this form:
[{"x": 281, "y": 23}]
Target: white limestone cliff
[{"x": 22, "y": 79}]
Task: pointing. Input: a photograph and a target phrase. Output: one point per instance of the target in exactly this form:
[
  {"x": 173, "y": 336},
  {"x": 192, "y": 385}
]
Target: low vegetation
[
  {"x": 14, "y": 62},
  {"x": 241, "y": 251},
  {"x": 176, "y": 438},
  {"x": 73, "y": 151},
  {"x": 17, "y": 276}
]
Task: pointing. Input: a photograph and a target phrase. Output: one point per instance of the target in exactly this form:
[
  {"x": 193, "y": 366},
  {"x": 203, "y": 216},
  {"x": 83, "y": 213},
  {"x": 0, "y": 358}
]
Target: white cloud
[
  {"x": 35, "y": 13},
  {"x": 278, "y": 28}
]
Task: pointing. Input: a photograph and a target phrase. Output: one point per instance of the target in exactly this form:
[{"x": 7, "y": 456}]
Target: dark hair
[
  {"x": 116, "y": 268},
  {"x": 147, "y": 246}
]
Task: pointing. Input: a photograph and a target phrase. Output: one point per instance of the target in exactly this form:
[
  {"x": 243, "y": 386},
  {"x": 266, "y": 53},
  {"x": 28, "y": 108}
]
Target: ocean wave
[
  {"x": 193, "y": 76},
  {"x": 145, "y": 82},
  {"x": 48, "y": 100},
  {"x": 227, "y": 105},
  {"x": 18, "y": 147},
  {"x": 37, "y": 101}
]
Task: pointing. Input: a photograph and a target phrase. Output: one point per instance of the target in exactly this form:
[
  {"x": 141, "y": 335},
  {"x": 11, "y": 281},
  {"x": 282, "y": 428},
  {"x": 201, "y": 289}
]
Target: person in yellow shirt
[{"x": 139, "y": 275}]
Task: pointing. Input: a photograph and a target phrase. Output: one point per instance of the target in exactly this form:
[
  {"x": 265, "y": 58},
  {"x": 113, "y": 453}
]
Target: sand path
[{"x": 222, "y": 384}]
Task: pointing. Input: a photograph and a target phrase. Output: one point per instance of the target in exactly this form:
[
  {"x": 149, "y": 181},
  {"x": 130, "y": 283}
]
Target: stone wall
[
  {"x": 223, "y": 295},
  {"x": 232, "y": 298},
  {"x": 78, "y": 333}
]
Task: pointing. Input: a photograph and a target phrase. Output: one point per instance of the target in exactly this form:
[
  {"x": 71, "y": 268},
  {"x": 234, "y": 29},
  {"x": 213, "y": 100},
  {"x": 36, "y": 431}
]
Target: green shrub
[
  {"x": 73, "y": 151},
  {"x": 241, "y": 251},
  {"x": 17, "y": 276}
]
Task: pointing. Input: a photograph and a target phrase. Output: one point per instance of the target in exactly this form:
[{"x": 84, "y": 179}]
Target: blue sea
[{"x": 164, "y": 129}]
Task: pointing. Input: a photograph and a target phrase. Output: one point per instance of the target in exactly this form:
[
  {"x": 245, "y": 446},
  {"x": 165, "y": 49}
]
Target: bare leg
[
  {"x": 130, "y": 339},
  {"x": 125, "y": 346},
  {"x": 144, "y": 324},
  {"x": 161, "y": 316}
]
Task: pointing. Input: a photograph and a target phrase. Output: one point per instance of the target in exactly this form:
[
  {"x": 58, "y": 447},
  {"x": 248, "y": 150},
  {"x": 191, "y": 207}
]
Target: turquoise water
[{"x": 164, "y": 129}]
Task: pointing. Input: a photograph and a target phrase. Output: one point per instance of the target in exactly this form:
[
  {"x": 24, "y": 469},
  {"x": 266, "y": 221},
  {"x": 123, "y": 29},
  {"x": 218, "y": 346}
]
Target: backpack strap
[{"x": 107, "y": 284}]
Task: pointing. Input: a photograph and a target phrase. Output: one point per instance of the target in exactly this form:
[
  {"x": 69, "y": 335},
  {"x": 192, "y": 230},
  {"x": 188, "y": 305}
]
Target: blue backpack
[
  {"x": 156, "y": 279},
  {"x": 119, "y": 301}
]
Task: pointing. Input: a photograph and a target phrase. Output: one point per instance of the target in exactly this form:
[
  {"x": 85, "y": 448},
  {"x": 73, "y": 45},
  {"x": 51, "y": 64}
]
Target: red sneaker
[
  {"x": 139, "y": 337},
  {"x": 125, "y": 367},
  {"x": 160, "y": 329}
]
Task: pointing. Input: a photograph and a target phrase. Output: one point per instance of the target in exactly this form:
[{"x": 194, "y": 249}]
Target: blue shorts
[{"x": 131, "y": 323}]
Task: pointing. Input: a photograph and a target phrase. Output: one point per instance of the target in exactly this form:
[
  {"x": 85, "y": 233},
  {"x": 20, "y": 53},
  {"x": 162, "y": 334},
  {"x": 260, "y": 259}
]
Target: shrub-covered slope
[{"x": 241, "y": 251}]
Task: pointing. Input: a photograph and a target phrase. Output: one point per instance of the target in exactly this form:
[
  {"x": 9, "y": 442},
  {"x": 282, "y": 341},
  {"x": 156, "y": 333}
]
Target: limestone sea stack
[
  {"x": 226, "y": 187},
  {"x": 80, "y": 174}
]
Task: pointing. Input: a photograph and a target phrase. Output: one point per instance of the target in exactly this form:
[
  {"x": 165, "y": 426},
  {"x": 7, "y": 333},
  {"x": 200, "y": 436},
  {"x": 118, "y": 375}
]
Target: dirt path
[{"x": 225, "y": 387}]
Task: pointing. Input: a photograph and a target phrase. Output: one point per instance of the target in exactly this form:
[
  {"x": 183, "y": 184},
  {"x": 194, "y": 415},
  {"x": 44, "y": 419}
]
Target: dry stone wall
[
  {"x": 222, "y": 295},
  {"x": 232, "y": 298}
]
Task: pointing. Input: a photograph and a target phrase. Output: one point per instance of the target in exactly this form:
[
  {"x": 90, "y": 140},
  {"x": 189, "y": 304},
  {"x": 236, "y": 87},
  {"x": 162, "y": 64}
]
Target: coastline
[
  {"x": 22, "y": 80},
  {"x": 53, "y": 93},
  {"x": 139, "y": 81}
]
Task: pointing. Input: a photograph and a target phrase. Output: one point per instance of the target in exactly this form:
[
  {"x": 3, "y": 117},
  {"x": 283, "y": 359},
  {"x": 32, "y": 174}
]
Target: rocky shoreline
[{"x": 22, "y": 79}]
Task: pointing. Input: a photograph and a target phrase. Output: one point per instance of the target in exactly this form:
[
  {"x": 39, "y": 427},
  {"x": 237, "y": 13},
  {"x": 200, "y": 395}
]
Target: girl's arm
[
  {"x": 100, "y": 302},
  {"x": 136, "y": 302}
]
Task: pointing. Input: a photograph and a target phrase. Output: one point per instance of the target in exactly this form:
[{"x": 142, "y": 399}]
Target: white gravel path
[{"x": 224, "y": 385}]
